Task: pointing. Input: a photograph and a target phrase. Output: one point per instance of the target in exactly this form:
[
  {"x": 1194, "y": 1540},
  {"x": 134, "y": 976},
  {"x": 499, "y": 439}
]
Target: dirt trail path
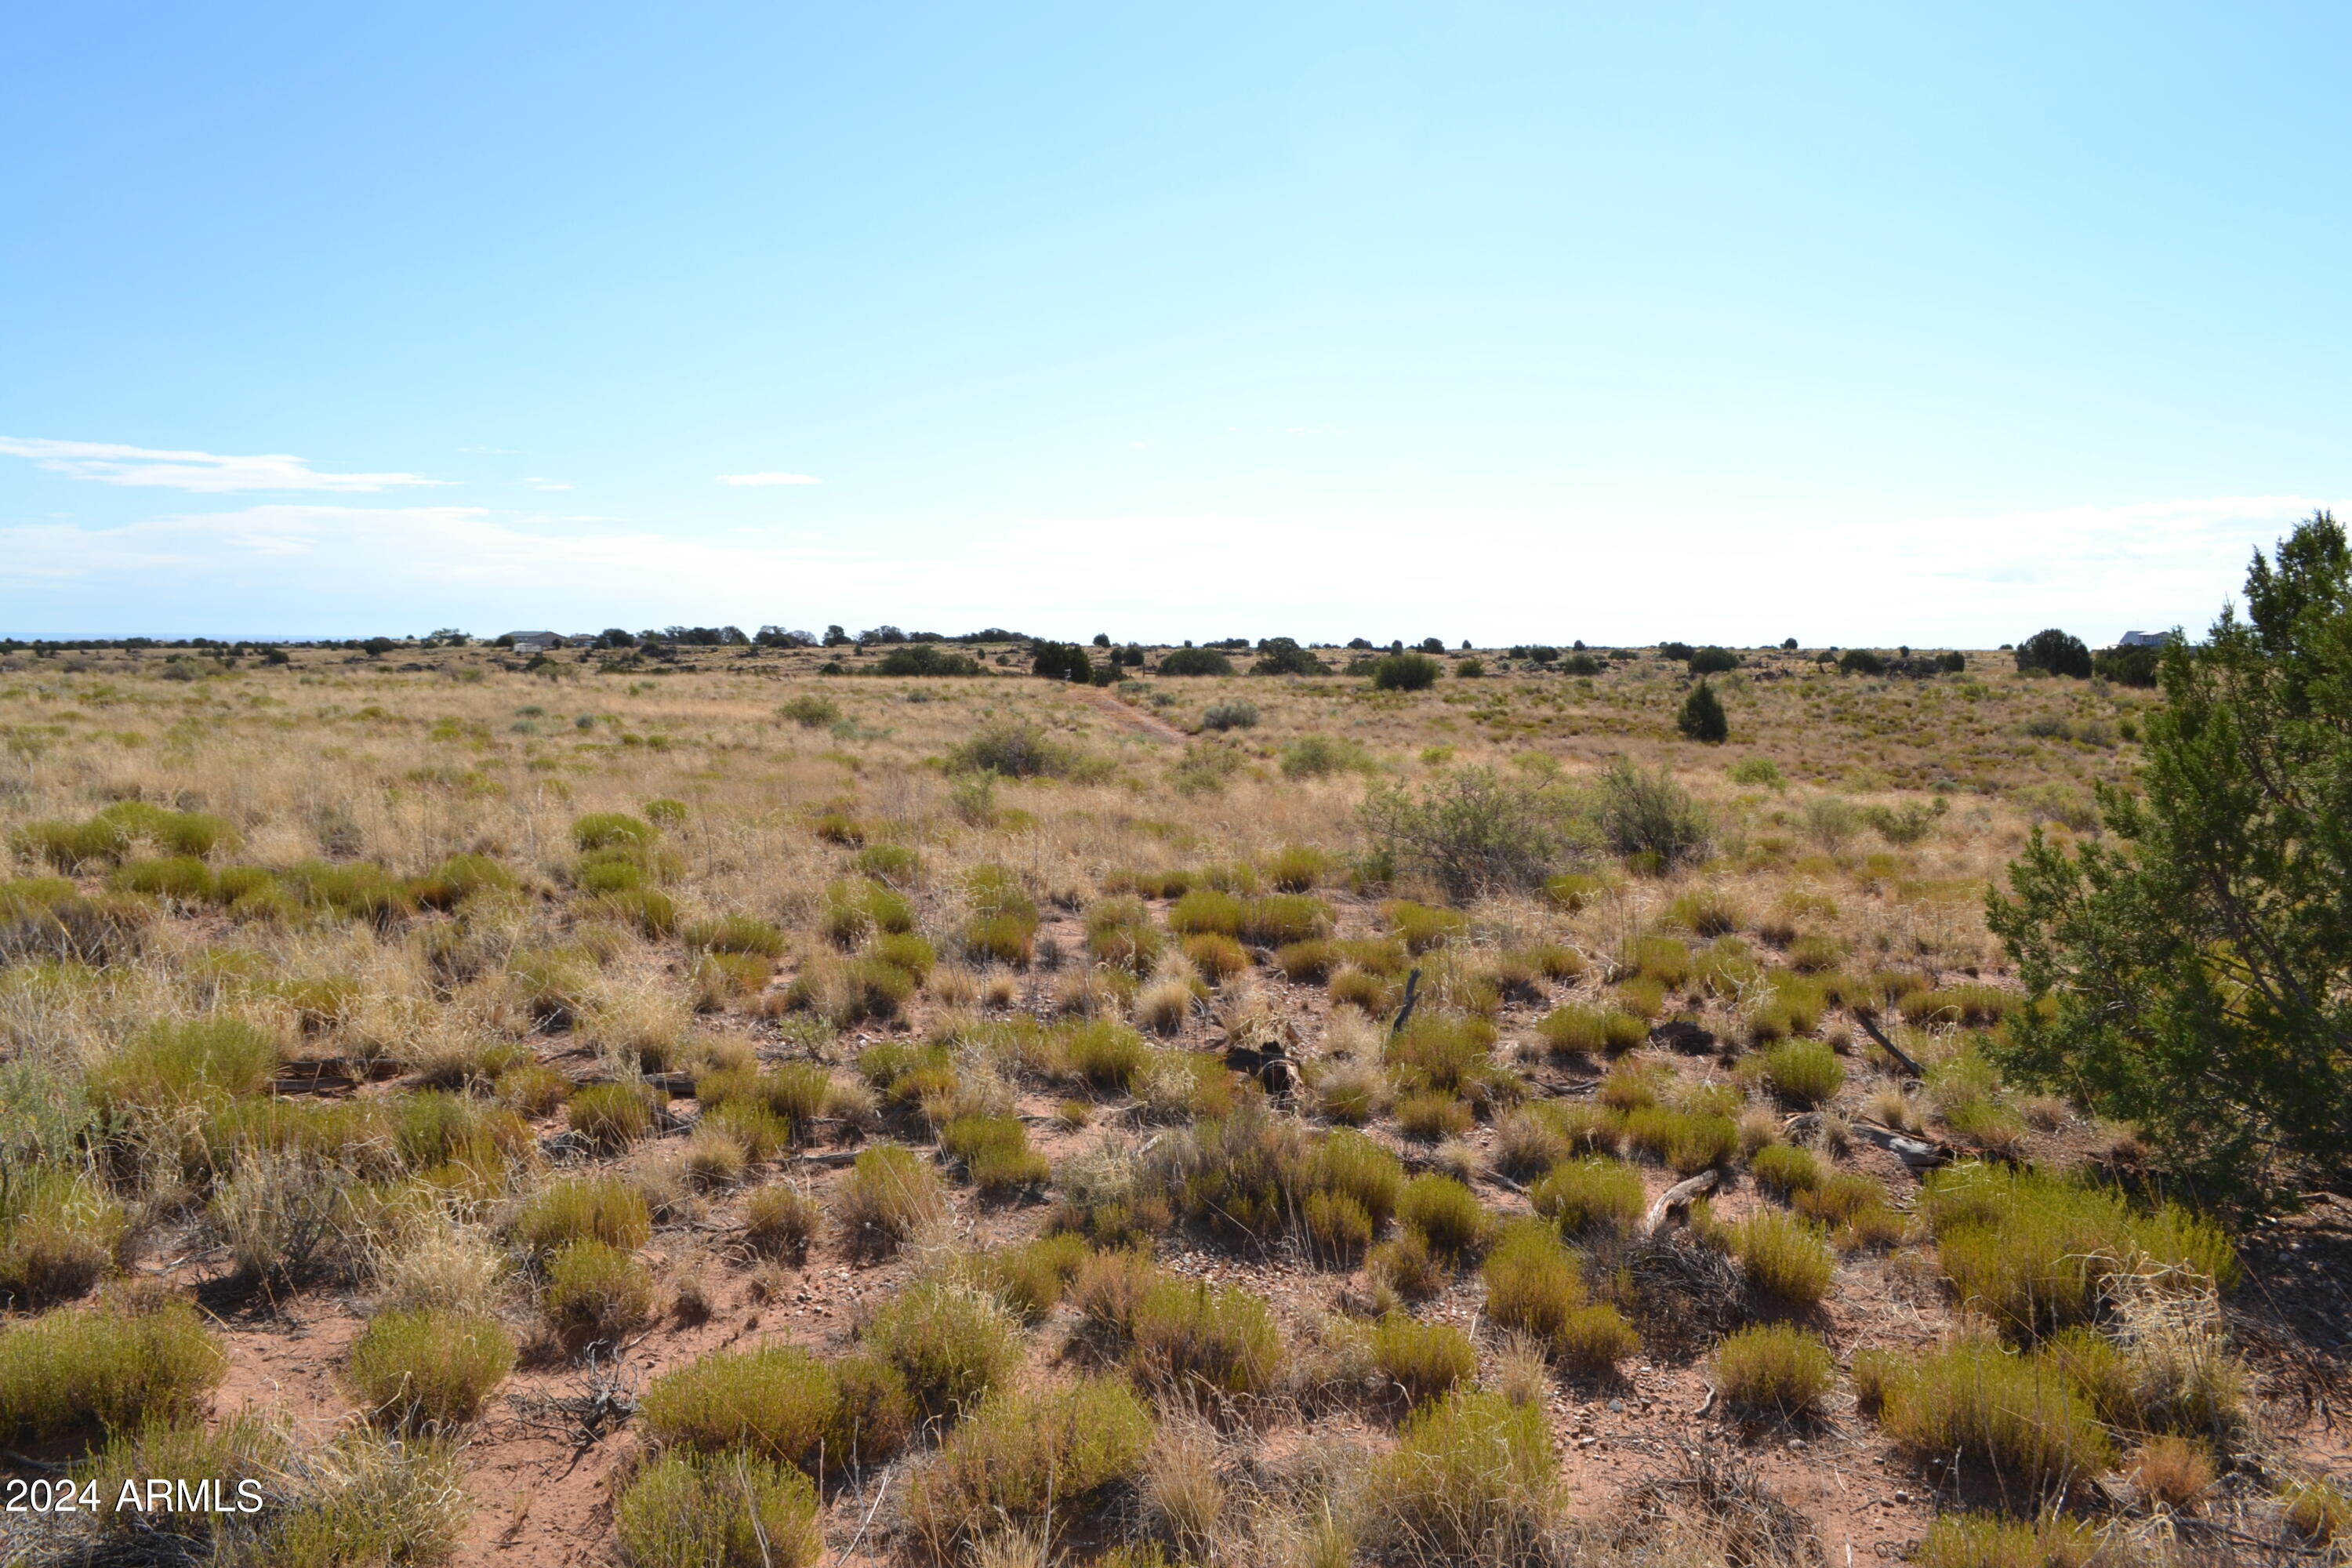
[{"x": 1134, "y": 719}]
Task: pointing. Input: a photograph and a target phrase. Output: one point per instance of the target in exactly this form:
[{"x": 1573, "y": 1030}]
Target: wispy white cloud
[
  {"x": 770, "y": 478},
  {"x": 539, "y": 484},
  {"x": 201, "y": 471},
  {"x": 1603, "y": 573}
]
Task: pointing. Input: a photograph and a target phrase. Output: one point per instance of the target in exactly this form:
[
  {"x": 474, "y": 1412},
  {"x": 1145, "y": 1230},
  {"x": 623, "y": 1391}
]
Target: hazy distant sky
[{"x": 1867, "y": 324}]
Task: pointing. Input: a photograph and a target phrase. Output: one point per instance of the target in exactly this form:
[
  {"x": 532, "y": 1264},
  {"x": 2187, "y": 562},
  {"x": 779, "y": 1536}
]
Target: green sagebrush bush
[
  {"x": 595, "y": 1293},
  {"x": 1471, "y": 1480},
  {"x": 1013, "y": 750},
  {"x": 1591, "y": 1195},
  {"x": 1319, "y": 756},
  {"x": 783, "y": 1403},
  {"x": 951, "y": 1343},
  {"x": 1470, "y": 830},
  {"x": 738, "y": 1510},
  {"x": 1025, "y": 1455},
  {"x": 1405, "y": 672},
  {"x": 129, "y": 1359},
  {"x": 1420, "y": 1360},
  {"x": 1772, "y": 1370},
  {"x": 1218, "y": 1338},
  {"x": 430, "y": 1368},
  {"x": 1644, "y": 813},
  {"x": 2009, "y": 1419},
  {"x": 2036, "y": 1251}
]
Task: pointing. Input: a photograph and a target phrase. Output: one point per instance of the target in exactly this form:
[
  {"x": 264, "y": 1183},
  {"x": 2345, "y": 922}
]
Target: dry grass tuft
[
  {"x": 1184, "y": 1495},
  {"x": 2173, "y": 1472},
  {"x": 779, "y": 1220},
  {"x": 892, "y": 1196}
]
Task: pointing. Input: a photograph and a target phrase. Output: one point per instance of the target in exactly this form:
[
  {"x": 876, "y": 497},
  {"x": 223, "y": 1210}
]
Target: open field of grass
[{"x": 710, "y": 1111}]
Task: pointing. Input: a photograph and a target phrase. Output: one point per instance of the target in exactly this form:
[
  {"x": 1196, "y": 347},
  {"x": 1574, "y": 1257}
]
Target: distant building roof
[{"x": 2143, "y": 640}]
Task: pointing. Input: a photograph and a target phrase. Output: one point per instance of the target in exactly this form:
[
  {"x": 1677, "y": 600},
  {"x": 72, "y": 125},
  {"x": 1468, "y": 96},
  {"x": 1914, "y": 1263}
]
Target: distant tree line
[{"x": 2050, "y": 652}]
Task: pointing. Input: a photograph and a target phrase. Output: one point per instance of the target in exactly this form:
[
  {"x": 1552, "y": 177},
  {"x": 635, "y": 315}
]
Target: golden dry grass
[{"x": 649, "y": 1032}]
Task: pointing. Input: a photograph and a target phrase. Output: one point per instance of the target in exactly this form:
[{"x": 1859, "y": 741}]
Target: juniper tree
[
  {"x": 1702, "y": 717},
  {"x": 2195, "y": 974},
  {"x": 2059, "y": 652}
]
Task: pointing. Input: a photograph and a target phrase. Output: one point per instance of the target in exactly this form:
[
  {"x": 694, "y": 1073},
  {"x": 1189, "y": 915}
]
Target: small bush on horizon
[
  {"x": 1015, "y": 751},
  {"x": 1194, "y": 661},
  {"x": 1318, "y": 756},
  {"x": 1405, "y": 672},
  {"x": 1234, "y": 715}
]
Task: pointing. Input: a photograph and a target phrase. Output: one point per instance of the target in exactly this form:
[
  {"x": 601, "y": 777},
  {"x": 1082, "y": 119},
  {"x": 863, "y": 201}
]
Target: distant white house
[
  {"x": 536, "y": 642},
  {"x": 2143, "y": 640}
]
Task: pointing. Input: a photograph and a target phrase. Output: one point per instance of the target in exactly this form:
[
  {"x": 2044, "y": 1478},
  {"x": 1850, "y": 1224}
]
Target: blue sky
[{"x": 1866, "y": 324}]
